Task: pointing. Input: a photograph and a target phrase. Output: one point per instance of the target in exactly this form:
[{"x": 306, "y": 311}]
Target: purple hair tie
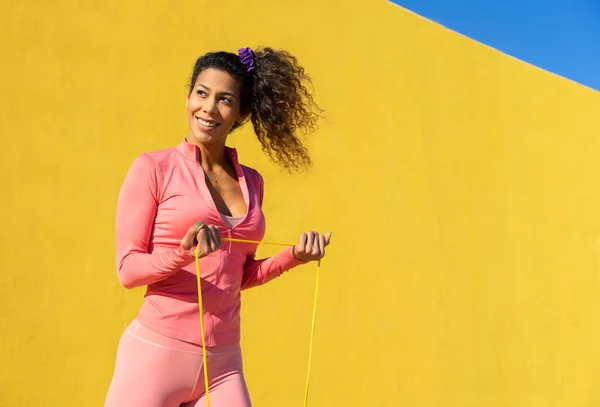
[{"x": 247, "y": 59}]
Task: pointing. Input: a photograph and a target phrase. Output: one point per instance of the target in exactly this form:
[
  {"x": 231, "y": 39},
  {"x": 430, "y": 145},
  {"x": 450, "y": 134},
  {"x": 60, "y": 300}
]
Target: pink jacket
[{"x": 163, "y": 194}]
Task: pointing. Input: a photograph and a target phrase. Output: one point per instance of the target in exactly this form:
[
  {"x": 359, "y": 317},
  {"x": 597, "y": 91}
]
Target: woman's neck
[{"x": 211, "y": 155}]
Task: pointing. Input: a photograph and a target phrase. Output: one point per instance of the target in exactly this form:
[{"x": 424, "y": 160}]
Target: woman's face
[{"x": 213, "y": 107}]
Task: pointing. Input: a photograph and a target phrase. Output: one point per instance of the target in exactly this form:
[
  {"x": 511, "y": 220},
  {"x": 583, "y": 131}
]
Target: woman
[{"x": 179, "y": 199}]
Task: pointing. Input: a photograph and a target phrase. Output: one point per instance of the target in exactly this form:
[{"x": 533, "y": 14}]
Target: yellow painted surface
[{"x": 462, "y": 188}]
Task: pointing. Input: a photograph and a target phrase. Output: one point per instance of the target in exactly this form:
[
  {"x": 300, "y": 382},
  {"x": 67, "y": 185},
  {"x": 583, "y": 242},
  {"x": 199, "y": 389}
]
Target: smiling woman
[
  {"x": 177, "y": 200},
  {"x": 272, "y": 91}
]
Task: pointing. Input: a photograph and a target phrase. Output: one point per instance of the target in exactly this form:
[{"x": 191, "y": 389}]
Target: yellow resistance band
[
  {"x": 196, "y": 255},
  {"x": 312, "y": 329}
]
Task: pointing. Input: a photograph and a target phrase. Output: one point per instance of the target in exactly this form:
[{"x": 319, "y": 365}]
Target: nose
[{"x": 210, "y": 106}]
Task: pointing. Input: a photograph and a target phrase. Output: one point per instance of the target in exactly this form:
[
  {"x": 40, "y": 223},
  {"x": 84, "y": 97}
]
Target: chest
[
  {"x": 186, "y": 197},
  {"x": 227, "y": 196}
]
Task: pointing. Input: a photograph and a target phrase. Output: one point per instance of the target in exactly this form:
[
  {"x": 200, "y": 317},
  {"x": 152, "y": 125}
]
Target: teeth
[{"x": 207, "y": 124}]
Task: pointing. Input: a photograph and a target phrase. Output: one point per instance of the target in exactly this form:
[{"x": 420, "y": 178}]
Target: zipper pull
[{"x": 230, "y": 244}]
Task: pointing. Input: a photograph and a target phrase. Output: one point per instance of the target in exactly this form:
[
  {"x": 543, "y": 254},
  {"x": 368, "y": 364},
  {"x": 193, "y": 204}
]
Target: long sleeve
[
  {"x": 136, "y": 209},
  {"x": 259, "y": 272}
]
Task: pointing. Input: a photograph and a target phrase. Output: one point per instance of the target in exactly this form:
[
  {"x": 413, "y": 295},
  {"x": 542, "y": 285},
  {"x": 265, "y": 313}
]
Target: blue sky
[{"x": 560, "y": 36}]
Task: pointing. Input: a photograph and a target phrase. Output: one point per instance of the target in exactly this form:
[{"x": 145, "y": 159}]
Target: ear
[{"x": 187, "y": 99}]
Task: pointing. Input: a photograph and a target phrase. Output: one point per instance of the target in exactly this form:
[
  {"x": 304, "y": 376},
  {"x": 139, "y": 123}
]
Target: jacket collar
[{"x": 190, "y": 151}]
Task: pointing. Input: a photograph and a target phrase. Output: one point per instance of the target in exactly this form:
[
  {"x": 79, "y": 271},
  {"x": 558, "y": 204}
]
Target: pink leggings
[{"x": 153, "y": 370}]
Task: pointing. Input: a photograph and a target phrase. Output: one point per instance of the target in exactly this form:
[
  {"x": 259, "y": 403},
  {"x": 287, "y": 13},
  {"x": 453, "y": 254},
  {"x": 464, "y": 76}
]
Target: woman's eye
[{"x": 201, "y": 93}]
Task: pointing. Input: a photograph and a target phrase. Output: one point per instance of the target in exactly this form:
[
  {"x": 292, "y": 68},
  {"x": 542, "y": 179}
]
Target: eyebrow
[{"x": 221, "y": 93}]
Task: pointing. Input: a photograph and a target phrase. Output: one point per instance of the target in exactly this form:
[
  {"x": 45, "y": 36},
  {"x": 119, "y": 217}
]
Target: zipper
[
  {"x": 230, "y": 245},
  {"x": 223, "y": 253}
]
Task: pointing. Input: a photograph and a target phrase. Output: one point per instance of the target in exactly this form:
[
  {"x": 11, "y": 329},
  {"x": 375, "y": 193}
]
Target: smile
[{"x": 205, "y": 123}]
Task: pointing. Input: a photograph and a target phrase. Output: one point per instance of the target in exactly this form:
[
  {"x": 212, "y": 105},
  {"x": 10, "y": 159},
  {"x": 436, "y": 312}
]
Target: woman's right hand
[{"x": 207, "y": 238}]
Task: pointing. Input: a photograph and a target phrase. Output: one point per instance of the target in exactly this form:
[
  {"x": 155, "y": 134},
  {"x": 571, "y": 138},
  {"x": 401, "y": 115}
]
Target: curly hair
[{"x": 275, "y": 97}]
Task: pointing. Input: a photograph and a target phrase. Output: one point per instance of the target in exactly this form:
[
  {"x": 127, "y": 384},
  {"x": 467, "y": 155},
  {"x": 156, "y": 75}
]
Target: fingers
[
  {"x": 301, "y": 246},
  {"x": 310, "y": 243},
  {"x": 189, "y": 240},
  {"x": 315, "y": 246},
  {"x": 327, "y": 238},
  {"x": 217, "y": 235},
  {"x": 204, "y": 241},
  {"x": 200, "y": 241},
  {"x": 311, "y": 246},
  {"x": 206, "y": 238},
  {"x": 321, "y": 245},
  {"x": 209, "y": 239}
]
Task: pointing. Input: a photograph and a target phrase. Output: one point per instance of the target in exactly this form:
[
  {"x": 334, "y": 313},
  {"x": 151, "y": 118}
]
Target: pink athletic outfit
[{"x": 163, "y": 194}]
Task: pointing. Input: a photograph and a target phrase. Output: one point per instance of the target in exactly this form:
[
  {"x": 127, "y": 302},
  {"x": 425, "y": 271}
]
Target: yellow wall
[{"x": 461, "y": 186}]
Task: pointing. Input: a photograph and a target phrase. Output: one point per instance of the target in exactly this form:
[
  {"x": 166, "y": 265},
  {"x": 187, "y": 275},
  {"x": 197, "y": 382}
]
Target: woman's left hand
[{"x": 311, "y": 246}]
